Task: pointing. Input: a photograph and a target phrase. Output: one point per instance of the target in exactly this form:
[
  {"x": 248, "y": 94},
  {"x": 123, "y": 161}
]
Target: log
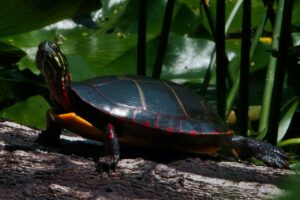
[{"x": 31, "y": 171}]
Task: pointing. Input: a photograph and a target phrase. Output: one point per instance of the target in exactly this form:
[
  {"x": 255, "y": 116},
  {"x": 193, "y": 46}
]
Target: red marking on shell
[
  {"x": 147, "y": 123},
  {"x": 193, "y": 132},
  {"x": 170, "y": 129},
  {"x": 215, "y": 132}
]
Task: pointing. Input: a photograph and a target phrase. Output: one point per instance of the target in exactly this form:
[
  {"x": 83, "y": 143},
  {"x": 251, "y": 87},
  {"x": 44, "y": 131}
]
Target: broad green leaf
[
  {"x": 191, "y": 3},
  {"x": 189, "y": 23},
  {"x": 88, "y": 61},
  {"x": 30, "y": 112},
  {"x": 9, "y": 54},
  {"x": 296, "y": 13},
  {"x": 296, "y": 38},
  {"x": 287, "y": 113},
  {"x": 110, "y": 7},
  {"x": 28, "y": 42},
  {"x": 291, "y": 186},
  {"x": 295, "y": 166},
  {"x": 13, "y": 90},
  {"x": 18, "y": 16},
  {"x": 90, "y": 52},
  {"x": 187, "y": 58}
]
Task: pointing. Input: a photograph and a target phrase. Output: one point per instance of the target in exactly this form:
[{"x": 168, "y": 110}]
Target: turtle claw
[
  {"x": 50, "y": 136},
  {"x": 47, "y": 139},
  {"x": 271, "y": 155},
  {"x": 107, "y": 164},
  {"x": 112, "y": 151}
]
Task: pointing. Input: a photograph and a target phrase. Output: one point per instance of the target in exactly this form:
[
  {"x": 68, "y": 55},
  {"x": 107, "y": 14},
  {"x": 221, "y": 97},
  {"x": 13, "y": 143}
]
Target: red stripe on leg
[{"x": 111, "y": 131}]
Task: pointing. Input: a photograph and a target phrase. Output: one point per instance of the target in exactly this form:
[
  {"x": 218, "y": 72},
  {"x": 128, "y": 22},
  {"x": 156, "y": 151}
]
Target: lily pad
[{"x": 30, "y": 112}]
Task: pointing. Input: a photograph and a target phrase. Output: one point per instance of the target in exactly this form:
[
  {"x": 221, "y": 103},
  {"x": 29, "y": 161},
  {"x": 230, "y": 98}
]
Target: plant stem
[
  {"x": 274, "y": 80},
  {"x": 234, "y": 89},
  {"x": 285, "y": 37},
  {"x": 163, "y": 39},
  {"x": 211, "y": 22},
  {"x": 212, "y": 63},
  {"x": 142, "y": 31},
  {"x": 244, "y": 69},
  {"x": 221, "y": 69}
]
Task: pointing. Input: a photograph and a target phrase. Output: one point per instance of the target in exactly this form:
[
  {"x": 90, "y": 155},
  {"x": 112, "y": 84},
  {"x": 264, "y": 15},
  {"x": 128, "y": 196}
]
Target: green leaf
[
  {"x": 288, "y": 142},
  {"x": 18, "y": 16},
  {"x": 187, "y": 58},
  {"x": 88, "y": 61},
  {"x": 287, "y": 113},
  {"x": 9, "y": 54},
  {"x": 296, "y": 13},
  {"x": 16, "y": 89},
  {"x": 96, "y": 52},
  {"x": 189, "y": 23},
  {"x": 30, "y": 112},
  {"x": 27, "y": 62},
  {"x": 295, "y": 166},
  {"x": 190, "y": 3}
]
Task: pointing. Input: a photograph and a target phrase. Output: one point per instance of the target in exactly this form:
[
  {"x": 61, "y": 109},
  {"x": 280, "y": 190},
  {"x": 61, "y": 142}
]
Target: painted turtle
[{"x": 138, "y": 111}]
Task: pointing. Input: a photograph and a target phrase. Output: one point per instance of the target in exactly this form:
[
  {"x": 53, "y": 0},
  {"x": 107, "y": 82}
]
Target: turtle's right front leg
[{"x": 50, "y": 136}]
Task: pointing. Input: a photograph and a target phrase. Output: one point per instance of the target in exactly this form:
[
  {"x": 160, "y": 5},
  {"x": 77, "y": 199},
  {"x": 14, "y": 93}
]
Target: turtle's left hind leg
[
  {"x": 271, "y": 155},
  {"x": 50, "y": 136}
]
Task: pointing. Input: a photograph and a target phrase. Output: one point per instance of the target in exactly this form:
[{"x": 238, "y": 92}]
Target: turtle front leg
[
  {"x": 111, "y": 150},
  {"x": 269, "y": 154},
  {"x": 50, "y": 136}
]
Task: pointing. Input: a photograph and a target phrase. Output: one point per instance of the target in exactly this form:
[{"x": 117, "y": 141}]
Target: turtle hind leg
[
  {"x": 269, "y": 154},
  {"x": 111, "y": 149},
  {"x": 50, "y": 136}
]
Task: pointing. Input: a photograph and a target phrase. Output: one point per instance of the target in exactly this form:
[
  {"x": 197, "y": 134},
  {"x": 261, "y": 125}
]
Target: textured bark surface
[{"x": 30, "y": 171}]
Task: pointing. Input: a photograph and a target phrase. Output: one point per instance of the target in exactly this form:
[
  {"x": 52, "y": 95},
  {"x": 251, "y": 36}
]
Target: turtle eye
[{"x": 55, "y": 49}]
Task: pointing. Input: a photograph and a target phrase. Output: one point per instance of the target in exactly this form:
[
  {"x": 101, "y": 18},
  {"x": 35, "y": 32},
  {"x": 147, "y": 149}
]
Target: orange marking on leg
[{"x": 78, "y": 125}]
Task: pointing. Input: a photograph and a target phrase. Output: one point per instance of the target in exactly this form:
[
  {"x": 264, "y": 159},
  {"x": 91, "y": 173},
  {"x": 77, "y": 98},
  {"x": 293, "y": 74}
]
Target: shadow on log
[{"x": 30, "y": 171}]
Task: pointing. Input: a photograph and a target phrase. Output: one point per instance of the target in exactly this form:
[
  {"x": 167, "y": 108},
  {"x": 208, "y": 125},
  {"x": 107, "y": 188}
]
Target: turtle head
[{"x": 54, "y": 66}]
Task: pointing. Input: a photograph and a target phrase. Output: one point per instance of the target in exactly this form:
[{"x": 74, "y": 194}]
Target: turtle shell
[
  {"x": 147, "y": 102},
  {"x": 150, "y": 113}
]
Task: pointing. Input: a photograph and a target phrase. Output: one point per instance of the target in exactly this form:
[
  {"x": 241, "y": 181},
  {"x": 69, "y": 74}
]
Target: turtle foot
[
  {"x": 271, "y": 155},
  {"x": 47, "y": 139},
  {"x": 107, "y": 164}
]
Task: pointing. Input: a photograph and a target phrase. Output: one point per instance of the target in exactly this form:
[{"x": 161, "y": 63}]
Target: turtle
[{"x": 141, "y": 112}]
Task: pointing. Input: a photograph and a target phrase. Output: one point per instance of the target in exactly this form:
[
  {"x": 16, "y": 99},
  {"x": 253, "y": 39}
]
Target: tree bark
[{"x": 31, "y": 171}]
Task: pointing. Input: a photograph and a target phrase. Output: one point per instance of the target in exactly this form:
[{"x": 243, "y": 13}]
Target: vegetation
[{"x": 101, "y": 38}]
